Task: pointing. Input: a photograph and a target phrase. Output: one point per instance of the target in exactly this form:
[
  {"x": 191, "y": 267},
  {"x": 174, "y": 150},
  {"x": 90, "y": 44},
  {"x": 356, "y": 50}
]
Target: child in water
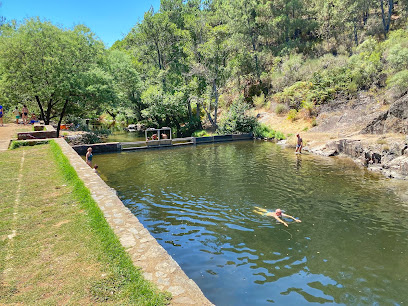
[
  {"x": 88, "y": 157},
  {"x": 277, "y": 214}
]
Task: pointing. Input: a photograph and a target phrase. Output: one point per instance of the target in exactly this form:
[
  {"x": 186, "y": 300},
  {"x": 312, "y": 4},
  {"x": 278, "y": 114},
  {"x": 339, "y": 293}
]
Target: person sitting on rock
[{"x": 277, "y": 214}]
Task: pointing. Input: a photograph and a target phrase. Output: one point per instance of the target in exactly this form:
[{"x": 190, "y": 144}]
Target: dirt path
[{"x": 8, "y": 132}]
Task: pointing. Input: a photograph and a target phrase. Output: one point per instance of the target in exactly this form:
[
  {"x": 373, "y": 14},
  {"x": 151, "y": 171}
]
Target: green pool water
[{"x": 198, "y": 201}]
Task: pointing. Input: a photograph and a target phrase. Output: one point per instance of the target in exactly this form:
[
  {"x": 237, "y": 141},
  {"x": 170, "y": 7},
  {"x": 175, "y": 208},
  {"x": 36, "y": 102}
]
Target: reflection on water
[
  {"x": 123, "y": 136},
  {"x": 351, "y": 247}
]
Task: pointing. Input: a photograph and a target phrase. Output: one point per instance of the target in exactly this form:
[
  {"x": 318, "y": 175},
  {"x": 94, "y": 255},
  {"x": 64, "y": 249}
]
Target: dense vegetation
[{"x": 193, "y": 60}]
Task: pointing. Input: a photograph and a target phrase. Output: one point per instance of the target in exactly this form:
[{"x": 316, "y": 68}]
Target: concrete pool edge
[{"x": 156, "y": 264}]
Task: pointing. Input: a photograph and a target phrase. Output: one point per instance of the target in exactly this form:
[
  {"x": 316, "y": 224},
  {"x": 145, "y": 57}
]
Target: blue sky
[{"x": 109, "y": 20}]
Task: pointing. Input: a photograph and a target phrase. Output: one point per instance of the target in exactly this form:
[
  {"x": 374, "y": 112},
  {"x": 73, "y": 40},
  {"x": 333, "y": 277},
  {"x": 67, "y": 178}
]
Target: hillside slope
[{"x": 371, "y": 133}]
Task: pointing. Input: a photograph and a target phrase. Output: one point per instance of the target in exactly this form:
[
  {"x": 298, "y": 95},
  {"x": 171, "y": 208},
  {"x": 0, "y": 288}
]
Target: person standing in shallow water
[
  {"x": 299, "y": 144},
  {"x": 88, "y": 157},
  {"x": 277, "y": 214}
]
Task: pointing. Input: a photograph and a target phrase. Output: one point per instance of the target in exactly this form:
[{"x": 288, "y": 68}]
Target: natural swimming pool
[{"x": 198, "y": 201}]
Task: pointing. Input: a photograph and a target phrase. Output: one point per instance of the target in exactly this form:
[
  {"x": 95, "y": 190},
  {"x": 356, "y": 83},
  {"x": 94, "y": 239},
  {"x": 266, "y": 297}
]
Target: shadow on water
[{"x": 198, "y": 202}]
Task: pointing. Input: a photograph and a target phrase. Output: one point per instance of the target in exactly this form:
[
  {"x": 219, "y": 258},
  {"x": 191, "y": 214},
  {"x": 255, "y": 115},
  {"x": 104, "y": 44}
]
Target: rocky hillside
[{"x": 372, "y": 133}]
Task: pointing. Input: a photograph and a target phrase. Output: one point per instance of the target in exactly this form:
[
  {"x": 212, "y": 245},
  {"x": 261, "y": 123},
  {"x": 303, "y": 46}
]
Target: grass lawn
[{"x": 63, "y": 251}]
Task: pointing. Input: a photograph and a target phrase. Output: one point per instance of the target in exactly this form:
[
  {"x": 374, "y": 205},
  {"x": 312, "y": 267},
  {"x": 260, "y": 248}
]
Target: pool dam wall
[{"x": 143, "y": 145}]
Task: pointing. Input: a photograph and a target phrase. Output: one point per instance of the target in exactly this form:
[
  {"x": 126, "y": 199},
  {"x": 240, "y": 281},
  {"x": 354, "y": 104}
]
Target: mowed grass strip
[{"x": 64, "y": 251}]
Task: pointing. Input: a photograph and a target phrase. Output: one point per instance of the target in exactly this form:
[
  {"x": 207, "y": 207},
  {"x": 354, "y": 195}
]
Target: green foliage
[
  {"x": 280, "y": 109},
  {"x": 184, "y": 62},
  {"x": 292, "y": 115},
  {"x": 15, "y": 144},
  {"x": 263, "y": 131},
  {"x": 57, "y": 69},
  {"x": 259, "y": 101},
  {"x": 201, "y": 133},
  {"x": 237, "y": 120},
  {"x": 399, "y": 81}
]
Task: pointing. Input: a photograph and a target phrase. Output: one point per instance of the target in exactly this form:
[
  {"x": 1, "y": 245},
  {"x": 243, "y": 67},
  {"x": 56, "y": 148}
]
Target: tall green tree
[{"x": 53, "y": 68}]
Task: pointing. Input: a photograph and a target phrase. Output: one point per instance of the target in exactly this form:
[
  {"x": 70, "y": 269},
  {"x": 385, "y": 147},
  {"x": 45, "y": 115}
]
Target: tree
[
  {"x": 55, "y": 69},
  {"x": 126, "y": 84}
]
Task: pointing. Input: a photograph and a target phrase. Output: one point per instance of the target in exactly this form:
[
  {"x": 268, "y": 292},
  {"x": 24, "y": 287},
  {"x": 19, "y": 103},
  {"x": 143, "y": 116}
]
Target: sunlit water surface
[{"x": 198, "y": 202}]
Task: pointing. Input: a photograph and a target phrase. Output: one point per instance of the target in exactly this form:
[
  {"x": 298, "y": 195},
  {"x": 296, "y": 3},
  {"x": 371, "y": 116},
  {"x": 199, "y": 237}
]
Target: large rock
[{"x": 395, "y": 120}]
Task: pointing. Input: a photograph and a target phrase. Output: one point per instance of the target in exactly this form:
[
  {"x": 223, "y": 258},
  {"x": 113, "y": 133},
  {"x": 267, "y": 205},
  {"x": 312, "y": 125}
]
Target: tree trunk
[
  {"x": 62, "y": 116},
  {"x": 37, "y": 98},
  {"x": 386, "y": 20},
  {"x": 355, "y": 32},
  {"x": 190, "y": 113},
  {"x": 216, "y": 103}
]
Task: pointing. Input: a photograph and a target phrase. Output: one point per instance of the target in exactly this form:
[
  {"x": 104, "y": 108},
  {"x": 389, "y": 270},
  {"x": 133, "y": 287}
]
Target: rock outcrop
[
  {"x": 395, "y": 120},
  {"x": 390, "y": 159}
]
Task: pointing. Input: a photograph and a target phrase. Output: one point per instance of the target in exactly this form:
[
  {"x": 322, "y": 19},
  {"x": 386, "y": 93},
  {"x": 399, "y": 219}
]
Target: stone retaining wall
[
  {"x": 222, "y": 138},
  {"x": 49, "y": 132},
  {"x": 157, "y": 265},
  {"x": 98, "y": 148}
]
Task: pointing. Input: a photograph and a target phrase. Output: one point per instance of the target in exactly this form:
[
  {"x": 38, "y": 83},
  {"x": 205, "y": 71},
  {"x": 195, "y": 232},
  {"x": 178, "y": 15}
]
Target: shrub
[
  {"x": 263, "y": 131},
  {"x": 259, "y": 101},
  {"x": 399, "y": 81},
  {"x": 309, "y": 107},
  {"x": 292, "y": 116},
  {"x": 200, "y": 133},
  {"x": 236, "y": 120},
  {"x": 280, "y": 109}
]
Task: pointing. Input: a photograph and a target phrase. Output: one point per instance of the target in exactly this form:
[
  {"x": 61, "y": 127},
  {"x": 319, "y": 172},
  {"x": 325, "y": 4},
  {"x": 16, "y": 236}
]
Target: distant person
[
  {"x": 299, "y": 144},
  {"x": 164, "y": 136},
  {"x": 154, "y": 137},
  {"x": 88, "y": 157},
  {"x": 16, "y": 113},
  {"x": 33, "y": 119},
  {"x": 96, "y": 169},
  {"x": 277, "y": 214},
  {"x": 25, "y": 114},
  {"x": 1, "y": 114}
]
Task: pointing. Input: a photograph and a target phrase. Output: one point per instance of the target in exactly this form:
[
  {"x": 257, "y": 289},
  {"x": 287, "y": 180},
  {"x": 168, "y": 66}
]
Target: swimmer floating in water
[{"x": 277, "y": 214}]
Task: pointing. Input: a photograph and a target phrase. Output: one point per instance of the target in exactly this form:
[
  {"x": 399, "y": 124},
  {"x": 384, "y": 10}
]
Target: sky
[{"x": 109, "y": 20}]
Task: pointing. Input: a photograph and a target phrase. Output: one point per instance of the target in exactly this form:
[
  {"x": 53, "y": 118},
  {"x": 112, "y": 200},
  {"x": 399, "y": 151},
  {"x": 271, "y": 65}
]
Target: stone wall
[
  {"x": 49, "y": 132},
  {"x": 98, "y": 148}
]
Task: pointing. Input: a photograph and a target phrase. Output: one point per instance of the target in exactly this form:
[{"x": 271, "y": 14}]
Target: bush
[
  {"x": 263, "y": 131},
  {"x": 236, "y": 120},
  {"x": 280, "y": 109},
  {"x": 292, "y": 116},
  {"x": 259, "y": 101},
  {"x": 200, "y": 133},
  {"x": 309, "y": 107},
  {"x": 399, "y": 81}
]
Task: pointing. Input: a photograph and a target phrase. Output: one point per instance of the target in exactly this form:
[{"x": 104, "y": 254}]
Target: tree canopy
[{"x": 181, "y": 65}]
